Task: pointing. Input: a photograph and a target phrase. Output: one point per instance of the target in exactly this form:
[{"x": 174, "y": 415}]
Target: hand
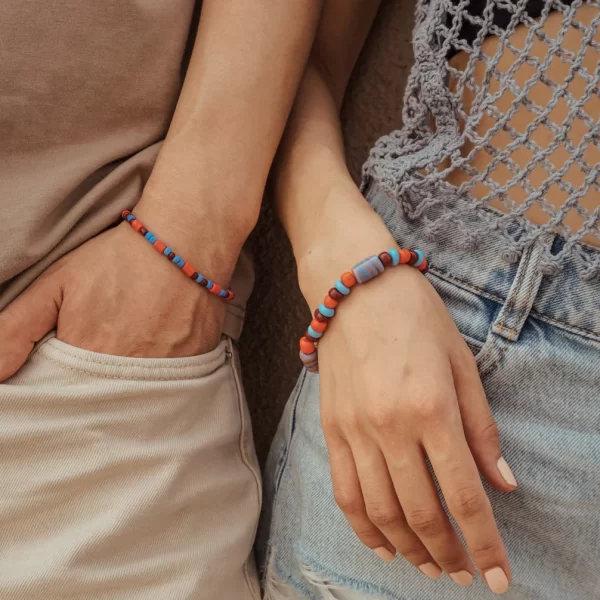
[
  {"x": 116, "y": 295},
  {"x": 399, "y": 387}
]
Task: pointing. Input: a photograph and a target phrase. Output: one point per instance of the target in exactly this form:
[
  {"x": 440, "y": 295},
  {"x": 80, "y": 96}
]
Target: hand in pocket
[{"x": 114, "y": 295}]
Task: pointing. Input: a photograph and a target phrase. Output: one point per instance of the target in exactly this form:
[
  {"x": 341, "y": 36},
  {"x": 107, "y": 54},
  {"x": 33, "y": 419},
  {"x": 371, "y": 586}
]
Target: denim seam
[
  {"x": 534, "y": 313},
  {"x": 514, "y": 295},
  {"x": 294, "y": 400},
  {"x": 469, "y": 287},
  {"x": 489, "y": 369}
]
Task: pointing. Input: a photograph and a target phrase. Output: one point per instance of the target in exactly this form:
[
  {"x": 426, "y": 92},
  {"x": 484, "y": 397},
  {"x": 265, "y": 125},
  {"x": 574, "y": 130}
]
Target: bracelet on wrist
[
  {"x": 361, "y": 273},
  {"x": 186, "y": 267}
]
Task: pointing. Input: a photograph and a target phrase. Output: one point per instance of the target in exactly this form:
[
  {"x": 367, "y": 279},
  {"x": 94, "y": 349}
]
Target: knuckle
[
  {"x": 348, "y": 502},
  {"x": 429, "y": 408},
  {"x": 426, "y": 523},
  {"x": 383, "y": 416},
  {"x": 369, "y": 536},
  {"x": 467, "y": 504},
  {"x": 490, "y": 434},
  {"x": 384, "y": 517},
  {"x": 451, "y": 562},
  {"x": 486, "y": 551}
]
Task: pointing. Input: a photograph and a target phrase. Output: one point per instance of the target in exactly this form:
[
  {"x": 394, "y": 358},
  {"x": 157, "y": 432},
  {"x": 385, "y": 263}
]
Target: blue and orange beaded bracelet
[
  {"x": 361, "y": 273},
  {"x": 186, "y": 267}
]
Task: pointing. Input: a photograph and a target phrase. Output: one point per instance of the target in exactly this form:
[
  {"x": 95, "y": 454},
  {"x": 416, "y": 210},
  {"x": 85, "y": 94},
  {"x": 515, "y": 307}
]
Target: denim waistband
[{"x": 562, "y": 299}]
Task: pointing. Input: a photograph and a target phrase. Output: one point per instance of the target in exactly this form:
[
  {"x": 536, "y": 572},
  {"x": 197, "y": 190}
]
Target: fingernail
[
  {"x": 463, "y": 578},
  {"x": 506, "y": 472},
  {"x": 384, "y": 554},
  {"x": 430, "y": 570},
  {"x": 497, "y": 580}
]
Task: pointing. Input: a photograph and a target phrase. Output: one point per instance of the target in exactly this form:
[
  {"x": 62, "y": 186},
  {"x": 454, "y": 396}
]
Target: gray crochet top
[{"x": 414, "y": 164}]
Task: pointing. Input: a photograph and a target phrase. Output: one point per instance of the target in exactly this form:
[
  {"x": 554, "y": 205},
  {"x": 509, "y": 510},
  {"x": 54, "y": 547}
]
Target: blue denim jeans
[{"x": 536, "y": 339}]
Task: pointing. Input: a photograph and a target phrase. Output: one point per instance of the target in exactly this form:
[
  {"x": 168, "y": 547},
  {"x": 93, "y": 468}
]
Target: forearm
[
  {"x": 327, "y": 219},
  {"x": 247, "y": 61}
]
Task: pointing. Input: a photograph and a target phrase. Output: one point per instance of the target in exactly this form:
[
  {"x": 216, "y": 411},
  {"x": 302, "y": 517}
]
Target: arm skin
[
  {"x": 397, "y": 382},
  {"x": 204, "y": 196},
  {"x": 243, "y": 75}
]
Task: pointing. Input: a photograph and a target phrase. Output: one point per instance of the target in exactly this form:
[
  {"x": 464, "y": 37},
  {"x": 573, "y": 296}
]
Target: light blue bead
[
  {"x": 395, "y": 257},
  {"x": 313, "y": 333},
  {"x": 200, "y": 278},
  {"x": 153, "y": 239},
  {"x": 223, "y": 294},
  {"x": 210, "y": 285},
  {"x": 179, "y": 261},
  {"x": 167, "y": 251},
  {"x": 326, "y": 311},
  {"x": 341, "y": 288},
  {"x": 421, "y": 258},
  {"x": 130, "y": 218},
  {"x": 148, "y": 236}
]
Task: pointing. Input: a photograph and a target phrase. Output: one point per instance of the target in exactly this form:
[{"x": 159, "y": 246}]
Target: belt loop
[{"x": 523, "y": 291}]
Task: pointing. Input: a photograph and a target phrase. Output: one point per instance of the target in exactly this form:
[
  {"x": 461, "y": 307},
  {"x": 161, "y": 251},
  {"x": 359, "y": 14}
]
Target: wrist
[
  {"x": 206, "y": 239},
  {"x": 348, "y": 232}
]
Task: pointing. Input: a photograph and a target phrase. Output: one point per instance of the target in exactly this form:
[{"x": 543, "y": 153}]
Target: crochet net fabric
[{"x": 441, "y": 135}]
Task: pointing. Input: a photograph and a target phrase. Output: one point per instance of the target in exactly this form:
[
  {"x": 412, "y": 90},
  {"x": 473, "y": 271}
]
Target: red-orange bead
[
  {"x": 404, "y": 256},
  {"x": 424, "y": 266},
  {"x": 306, "y": 346},
  {"x": 348, "y": 279},
  {"x": 318, "y": 326},
  {"x": 329, "y": 302},
  {"x": 159, "y": 246},
  {"x": 137, "y": 225},
  {"x": 216, "y": 289},
  {"x": 188, "y": 269}
]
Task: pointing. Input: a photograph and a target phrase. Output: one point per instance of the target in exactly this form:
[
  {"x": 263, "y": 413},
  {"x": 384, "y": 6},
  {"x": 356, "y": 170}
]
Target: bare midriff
[{"x": 541, "y": 94}]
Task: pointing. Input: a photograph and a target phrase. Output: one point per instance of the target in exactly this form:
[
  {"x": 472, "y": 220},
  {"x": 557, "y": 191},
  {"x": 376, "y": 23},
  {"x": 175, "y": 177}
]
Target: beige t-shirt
[{"x": 87, "y": 92}]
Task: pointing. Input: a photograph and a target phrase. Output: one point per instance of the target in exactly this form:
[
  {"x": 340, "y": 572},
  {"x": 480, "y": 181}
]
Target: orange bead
[
  {"x": 318, "y": 326},
  {"x": 137, "y": 225},
  {"x": 329, "y": 302},
  {"x": 404, "y": 256},
  {"x": 348, "y": 279},
  {"x": 216, "y": 289},
  {"x": 424, "y": 266},
  {"x": 159, "y": 246},
  {"x": 188, "y": 269},
  {"x": 306, "y": 346}
]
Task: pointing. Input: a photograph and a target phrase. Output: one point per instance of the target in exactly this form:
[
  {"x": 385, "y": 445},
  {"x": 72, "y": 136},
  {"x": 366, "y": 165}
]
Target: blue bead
[
  {"x": 395, "y": 257},
  {"x": 210, "y": 285},
  {"x": 148, "y": 236},
  {"x": 200, "y": 278},
  {"x": 178, "y": 261},
  {"x": 167, "y": 251},
  {"x": 223, "y": 294},
  {"x": 326, "y": 311},
  {"x": 341, "y": 288},
  {"x": 313, "y": 333},
  {"x": 130, "y": 218},
  {"x": 421, "y": 258},
  {"x": 153, "y": 239}
]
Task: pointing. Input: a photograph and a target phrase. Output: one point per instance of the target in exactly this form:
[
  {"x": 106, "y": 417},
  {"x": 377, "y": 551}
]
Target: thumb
[
  {"x": 26, "y": 321},
  {"x": 480, "y": 427}
]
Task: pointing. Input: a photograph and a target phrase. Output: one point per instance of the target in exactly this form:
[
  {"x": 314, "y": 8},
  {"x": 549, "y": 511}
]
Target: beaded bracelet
[
  {"x": 361, "y": 273},
  {"x": 186, "y": 267}
]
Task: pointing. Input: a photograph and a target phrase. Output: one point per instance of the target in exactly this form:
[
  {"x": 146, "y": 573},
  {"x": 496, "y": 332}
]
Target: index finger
[{"x": 468, "y": 503}]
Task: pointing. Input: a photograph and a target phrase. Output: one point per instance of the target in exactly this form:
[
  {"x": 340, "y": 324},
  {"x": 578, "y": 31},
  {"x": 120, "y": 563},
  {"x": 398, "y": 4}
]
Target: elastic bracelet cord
[
  {"x": 361, "y": 273},
  {"x": 186, "y": 267}
]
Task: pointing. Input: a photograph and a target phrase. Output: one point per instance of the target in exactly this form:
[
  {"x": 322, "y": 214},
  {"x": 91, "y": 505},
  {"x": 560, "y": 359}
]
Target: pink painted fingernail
[
  {"x": 463, "y": 578},
  {"x": 497, "y": 580},
  {"x": 384, "y": 554},
  {"x": 430, "y": 570},
  {"x": 506, "y": 473}
]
